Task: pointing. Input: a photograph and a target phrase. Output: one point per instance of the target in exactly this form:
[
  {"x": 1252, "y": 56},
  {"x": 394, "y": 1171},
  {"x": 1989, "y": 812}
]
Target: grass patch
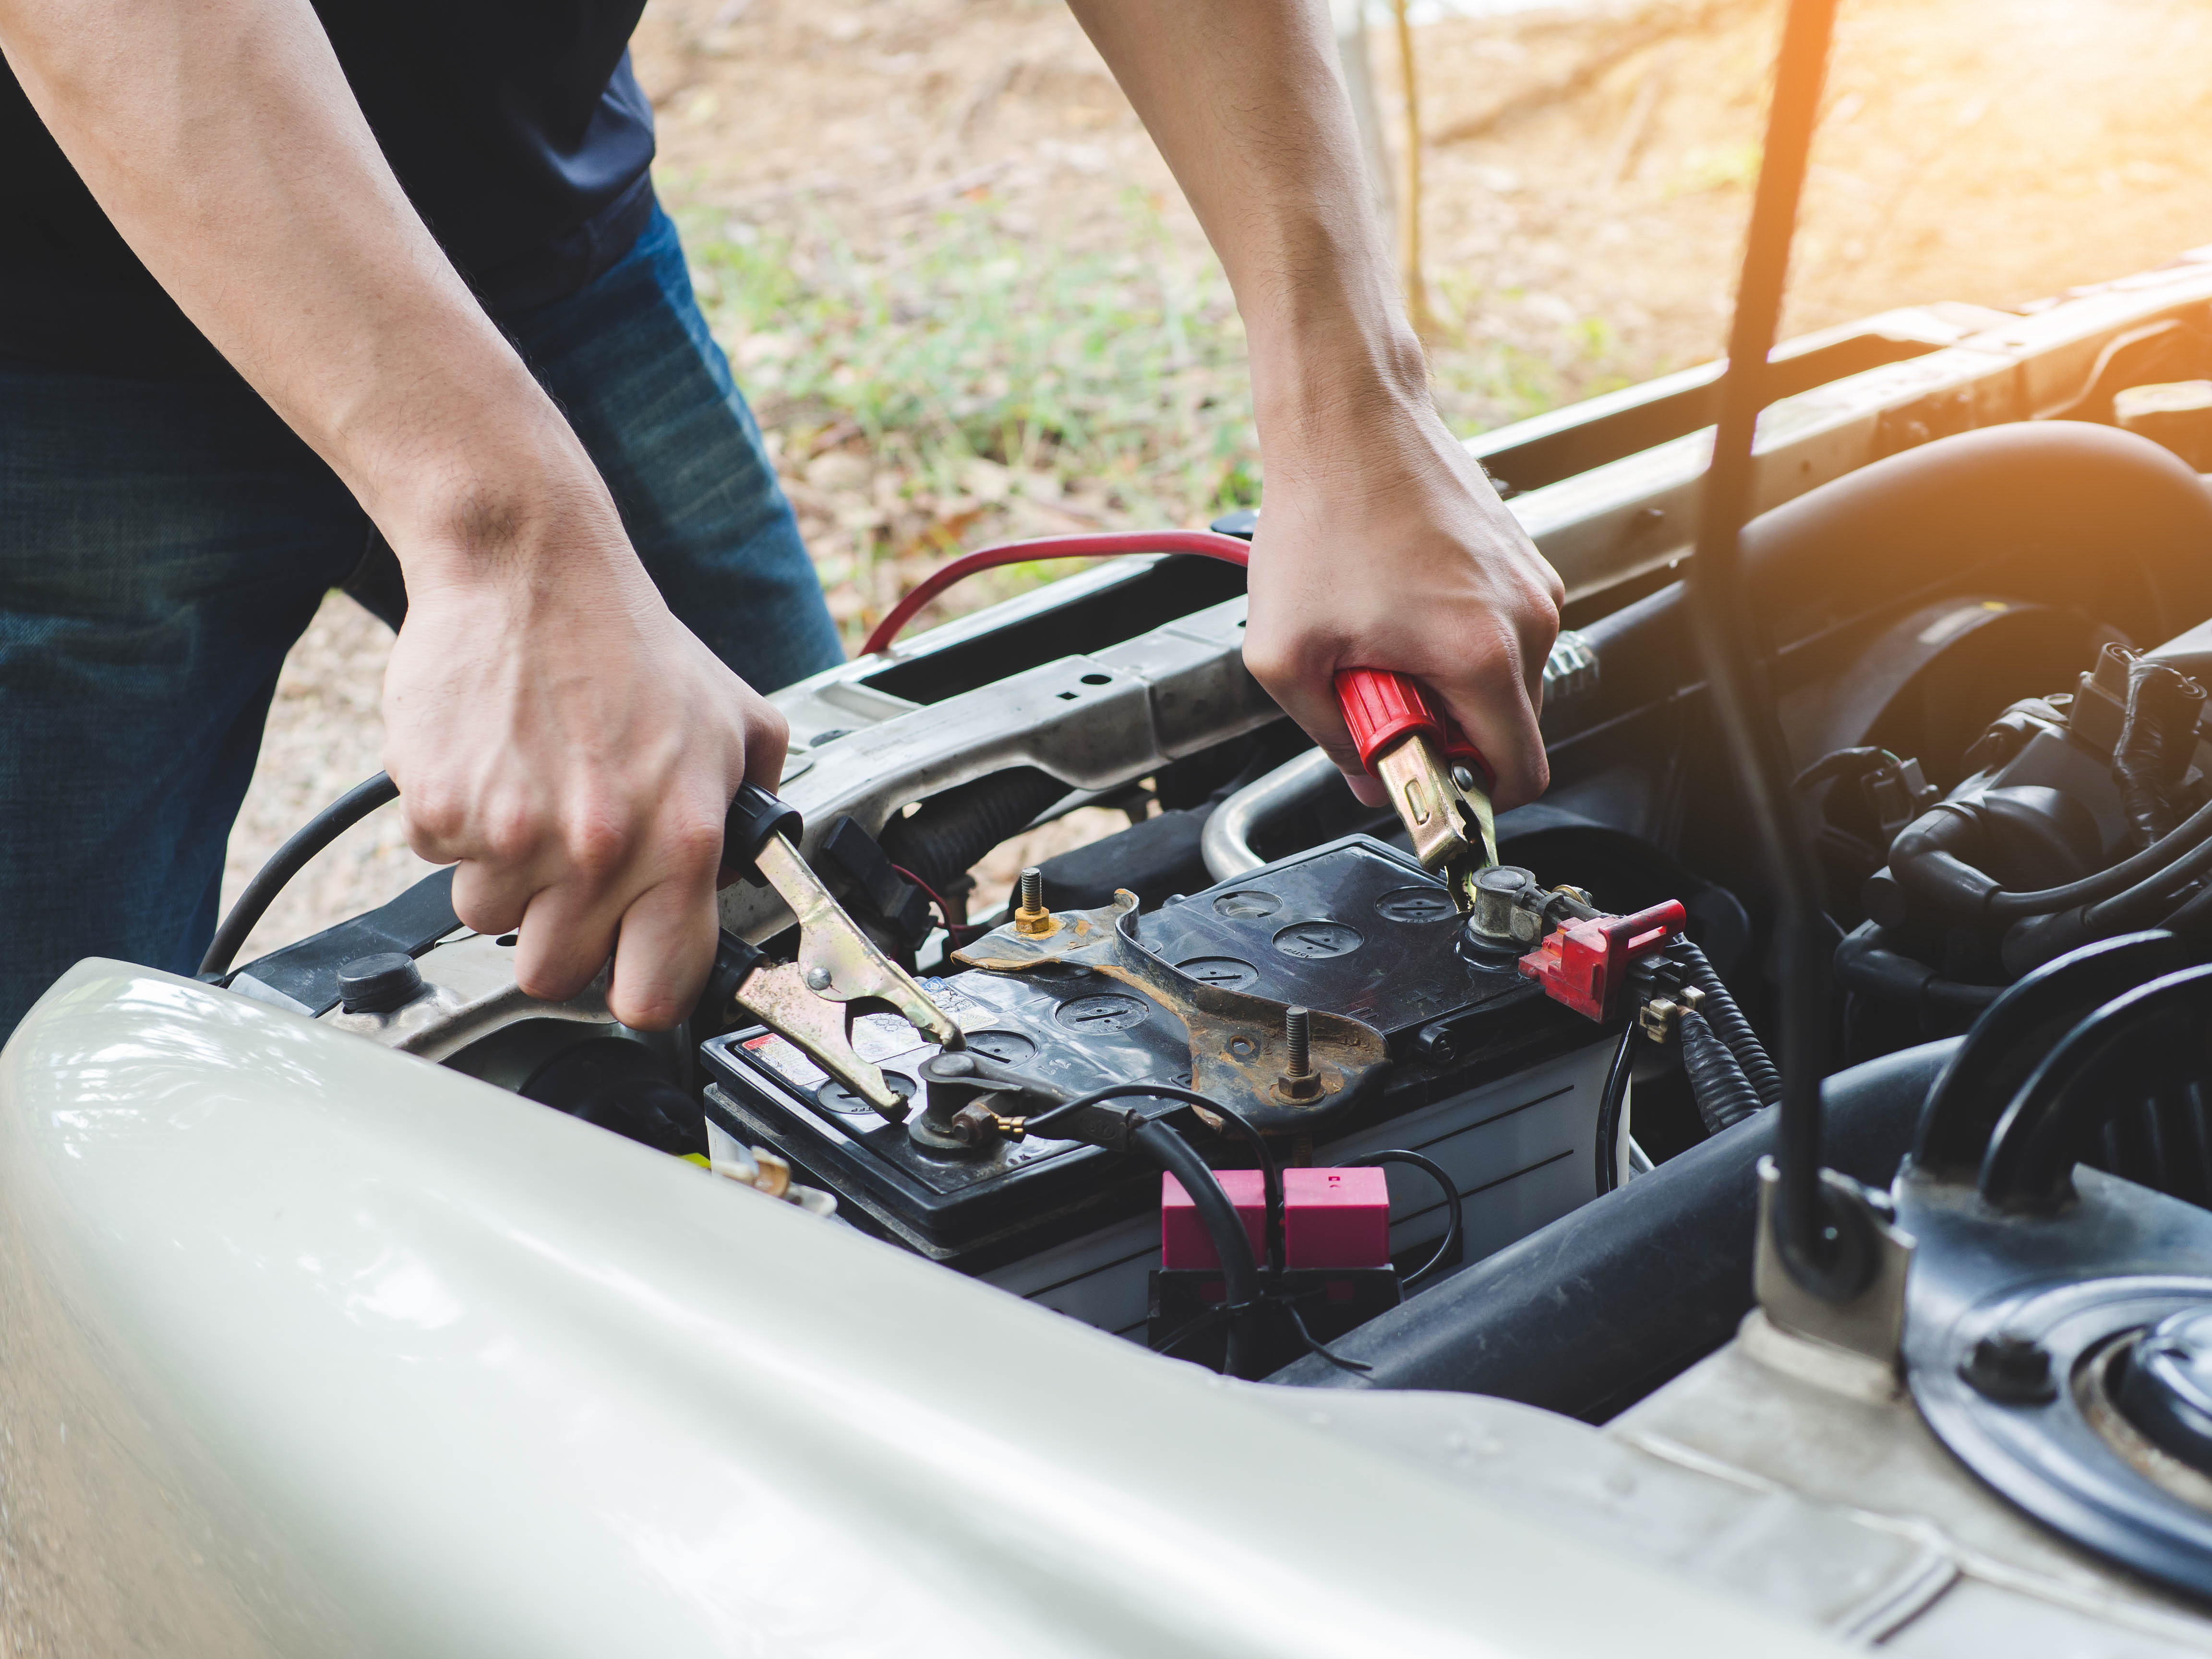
[{"x": 965, "y": 383}]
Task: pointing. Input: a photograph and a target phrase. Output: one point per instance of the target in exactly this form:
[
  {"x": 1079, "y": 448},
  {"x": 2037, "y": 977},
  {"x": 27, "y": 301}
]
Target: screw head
[
  {"x": 818, "y": 979},
  {"x": 2011, "y": 1370}
]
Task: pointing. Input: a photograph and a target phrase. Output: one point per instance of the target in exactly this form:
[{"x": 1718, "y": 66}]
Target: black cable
[
  {"x": 1270, "y": 1174},
  {"x": 1729, "y": 1026},
  {"x": 1240, "y": 1274},
  {"x": 2142, "y": 904},
  {"x": 2192, "y": 832},
  {"x": 1453, "y": 1228},
  {"x": 2193, "y": 919},
  {"x": 1724, "y": 1096},
  {"x": 1722, "y": 623},
  {"x": 1315, "y": 1345},
  {"x": 311, "y": 838},
  {"x": 1610, "y": 1104}
]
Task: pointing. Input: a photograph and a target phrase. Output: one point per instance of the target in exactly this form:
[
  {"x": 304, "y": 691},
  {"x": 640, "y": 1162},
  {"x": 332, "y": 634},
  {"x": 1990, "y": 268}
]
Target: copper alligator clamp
[
  {"x": 1438, "y": 781},
  {"x": 811, "y": 1002}
]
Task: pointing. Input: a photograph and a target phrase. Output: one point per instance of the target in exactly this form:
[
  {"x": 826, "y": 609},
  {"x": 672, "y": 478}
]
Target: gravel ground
[{"x": 1583, "y": 216}]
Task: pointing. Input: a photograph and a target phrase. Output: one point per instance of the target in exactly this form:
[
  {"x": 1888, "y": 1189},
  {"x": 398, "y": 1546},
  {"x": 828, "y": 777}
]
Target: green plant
[{"x": 964, "y": 342}]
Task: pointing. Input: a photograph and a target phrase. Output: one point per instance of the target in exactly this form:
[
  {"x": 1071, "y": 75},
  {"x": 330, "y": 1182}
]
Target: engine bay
[{"x": 1246, "y": 1083}]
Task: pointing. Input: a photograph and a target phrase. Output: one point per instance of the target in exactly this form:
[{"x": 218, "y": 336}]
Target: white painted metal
[{"x": 310, "y": 1347}]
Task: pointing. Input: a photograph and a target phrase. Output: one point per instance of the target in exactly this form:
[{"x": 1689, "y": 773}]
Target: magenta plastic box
[{"x": 1331, "y": 1219}]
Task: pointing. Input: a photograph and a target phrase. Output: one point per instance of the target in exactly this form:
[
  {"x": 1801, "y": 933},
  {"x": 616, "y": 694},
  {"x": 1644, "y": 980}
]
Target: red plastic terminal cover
[{"x": 1584, "y": 963}]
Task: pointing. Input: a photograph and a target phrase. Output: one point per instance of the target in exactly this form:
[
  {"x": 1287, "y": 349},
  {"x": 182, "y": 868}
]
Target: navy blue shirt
[{"x": 515, "y": 127}]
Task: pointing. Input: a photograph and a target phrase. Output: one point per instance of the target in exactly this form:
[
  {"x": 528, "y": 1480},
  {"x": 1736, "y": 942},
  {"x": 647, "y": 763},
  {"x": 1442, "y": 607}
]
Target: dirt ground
[{"x": 1586, "y": 172}]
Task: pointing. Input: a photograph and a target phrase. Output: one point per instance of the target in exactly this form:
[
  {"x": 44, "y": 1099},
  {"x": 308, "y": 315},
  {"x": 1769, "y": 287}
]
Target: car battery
[{"x": 1487, "y": 1076}]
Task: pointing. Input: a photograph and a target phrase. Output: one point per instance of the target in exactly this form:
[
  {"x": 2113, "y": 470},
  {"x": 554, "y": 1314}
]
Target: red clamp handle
[
  {"x": 1584, "y": 963},
  {"x": 1382, "y": 706}
]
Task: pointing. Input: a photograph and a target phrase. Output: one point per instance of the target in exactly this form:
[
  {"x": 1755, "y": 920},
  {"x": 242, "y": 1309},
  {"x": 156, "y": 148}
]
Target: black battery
[{"x": 1353, "y": 926}]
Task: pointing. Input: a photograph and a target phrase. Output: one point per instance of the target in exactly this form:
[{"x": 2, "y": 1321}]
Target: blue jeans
[{"x": 163, "y": 542}]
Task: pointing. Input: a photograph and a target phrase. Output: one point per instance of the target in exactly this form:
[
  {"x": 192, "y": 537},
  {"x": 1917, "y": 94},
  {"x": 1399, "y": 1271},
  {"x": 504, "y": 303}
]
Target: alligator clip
[
  {"x": 1438, "y": 781},
  {"x": 811, "y": 1002}
]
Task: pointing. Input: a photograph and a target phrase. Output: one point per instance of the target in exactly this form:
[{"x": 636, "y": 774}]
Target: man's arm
[
  {"x": 551, "y": 726},
  {"x": 1380, "y": 544}
]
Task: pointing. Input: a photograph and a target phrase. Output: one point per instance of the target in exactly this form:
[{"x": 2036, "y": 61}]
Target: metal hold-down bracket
[{"x": 1241, "y": 1045}]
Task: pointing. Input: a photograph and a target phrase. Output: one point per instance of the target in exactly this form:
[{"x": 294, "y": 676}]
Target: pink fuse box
[
  {"x": 1331, "y": 1219},
  {"x": 1183, "y": 1239},
  {"x": 1336, "y": 1219}
]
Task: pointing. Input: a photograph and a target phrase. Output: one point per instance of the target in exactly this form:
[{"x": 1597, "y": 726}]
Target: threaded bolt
[
  {"x": 1298, "y": 1081},
  {"x": 1031, "y": 917}
]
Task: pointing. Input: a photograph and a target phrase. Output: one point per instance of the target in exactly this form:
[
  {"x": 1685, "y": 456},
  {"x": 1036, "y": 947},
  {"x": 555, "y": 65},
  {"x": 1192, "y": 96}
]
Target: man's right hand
[{"x": 575, "y": 749}]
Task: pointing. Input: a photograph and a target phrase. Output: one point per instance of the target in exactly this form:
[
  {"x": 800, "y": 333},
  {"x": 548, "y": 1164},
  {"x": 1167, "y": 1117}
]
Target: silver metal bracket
[{"x": 1871, "y": 1322}]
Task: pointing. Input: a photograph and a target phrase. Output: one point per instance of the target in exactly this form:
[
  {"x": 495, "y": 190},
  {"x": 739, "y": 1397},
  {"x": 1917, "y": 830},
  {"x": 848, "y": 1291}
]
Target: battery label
[{"x": 786, "y": 1060}]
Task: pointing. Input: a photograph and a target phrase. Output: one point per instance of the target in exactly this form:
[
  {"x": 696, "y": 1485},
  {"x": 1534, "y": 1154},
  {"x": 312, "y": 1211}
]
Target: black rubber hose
[
  {"x": 2194, "y": 919},
  {"x": 312, "y": 837},
  {"x": 1590, "y": 1313},
  {"x": 2155, "y": 901},
  {"x": 1240, "y": 1274},
  {"x": 942, "y": 840},
  {"x": 1723, "y": 1094},
  {"x": 1931, "y": 836},
  {"x": 2144, "y": 903},
  {"x": 1864, "y": 964},
  {"x": 1729, "y": 1026}
]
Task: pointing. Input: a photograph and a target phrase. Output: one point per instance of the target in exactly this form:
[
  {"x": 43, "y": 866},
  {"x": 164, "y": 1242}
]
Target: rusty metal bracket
[{"x": 1239, "y": 1050}]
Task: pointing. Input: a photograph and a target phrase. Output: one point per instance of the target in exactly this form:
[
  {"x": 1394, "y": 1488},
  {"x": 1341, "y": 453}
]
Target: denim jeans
[{"x": 163, "y": 542}]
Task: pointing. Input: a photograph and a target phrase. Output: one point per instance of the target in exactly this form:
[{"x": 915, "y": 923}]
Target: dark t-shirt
[{"x": 515, "y": 127}]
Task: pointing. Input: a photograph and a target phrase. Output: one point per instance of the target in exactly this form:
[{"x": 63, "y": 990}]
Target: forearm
[
  {"x": 222, "y": 141},
  {"x": 1243, "y": 100}
]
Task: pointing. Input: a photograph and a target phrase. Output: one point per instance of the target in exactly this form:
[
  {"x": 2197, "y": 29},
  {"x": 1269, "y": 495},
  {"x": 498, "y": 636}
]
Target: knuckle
[
  {"x": 598, "y": 846},
  {"x": 767, "y": 727},
  {"x": 693, "y": 844},
  {"x": 508, "y": 831},
  {"x": 436, "y": 816}
]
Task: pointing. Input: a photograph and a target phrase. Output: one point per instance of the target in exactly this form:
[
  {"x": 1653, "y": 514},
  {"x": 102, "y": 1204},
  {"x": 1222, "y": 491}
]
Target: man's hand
[
  {"x": 1389, "y": 549},
  {"x": 574, "y": 748},
  {"x": 1380, "y": 545},
  {"x": 552, "y": 727}
]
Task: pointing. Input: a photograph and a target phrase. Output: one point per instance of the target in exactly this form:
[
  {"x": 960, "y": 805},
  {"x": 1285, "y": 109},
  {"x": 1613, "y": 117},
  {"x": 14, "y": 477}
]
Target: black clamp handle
[{"x": 755, "y": 815}]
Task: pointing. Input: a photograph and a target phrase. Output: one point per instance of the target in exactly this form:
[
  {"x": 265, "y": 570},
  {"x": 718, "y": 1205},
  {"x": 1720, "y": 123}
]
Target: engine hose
[
  {"x": 1240, "y": 1274},
  {"x": 2150, "y": 903},
  {"x": 1723, "y": 1094},
  {"x": 1721, "y": 1013},
  {"x": 2152, "y": 897},
  {"x": 942, "y": 841},
  {"x": 1934, "y": 857},
  {"x": 2158, "y": 739},
  {"x": 2193, "y": 920}
]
